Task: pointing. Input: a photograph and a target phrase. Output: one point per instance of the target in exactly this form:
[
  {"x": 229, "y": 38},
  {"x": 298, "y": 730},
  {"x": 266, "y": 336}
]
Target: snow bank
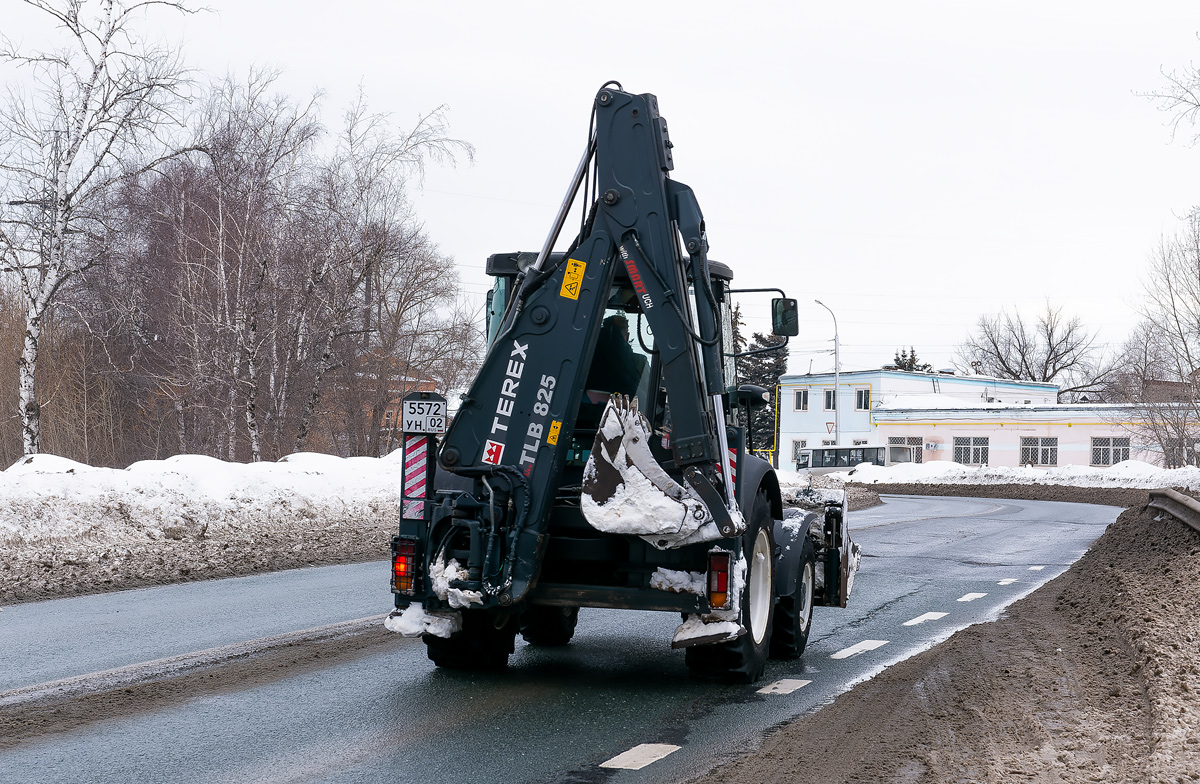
[
  {"x": 46, "y": 498},
  {"x": 1129, "y": 474}
]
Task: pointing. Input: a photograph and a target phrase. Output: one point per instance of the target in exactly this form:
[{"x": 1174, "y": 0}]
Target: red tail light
[
  {"x": 718, "y": 579},
  {"x": 404, "y": 565}
]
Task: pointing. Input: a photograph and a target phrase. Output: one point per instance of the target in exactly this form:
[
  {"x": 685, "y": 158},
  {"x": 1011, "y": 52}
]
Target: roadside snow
[
  {"x": 44, "y": 498},
  {"x": 1130, "y": 474}
]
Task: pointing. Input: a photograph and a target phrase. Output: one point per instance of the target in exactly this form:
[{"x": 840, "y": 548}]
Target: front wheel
[
  {"x": 742, "y": 660},
  {"x": 793, "y": 614}
]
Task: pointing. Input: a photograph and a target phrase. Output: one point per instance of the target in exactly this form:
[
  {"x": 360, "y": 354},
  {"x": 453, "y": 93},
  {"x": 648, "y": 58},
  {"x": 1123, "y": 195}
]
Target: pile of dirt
[
  {"x": 1124, "y": 497},
  {"x": 1095, "y": 677},
  {"x": 858, "y": 496}
]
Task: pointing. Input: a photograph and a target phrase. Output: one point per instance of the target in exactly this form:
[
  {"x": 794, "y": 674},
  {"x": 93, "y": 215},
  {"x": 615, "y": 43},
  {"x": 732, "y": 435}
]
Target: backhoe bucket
[{"x": 626, "y": 491}]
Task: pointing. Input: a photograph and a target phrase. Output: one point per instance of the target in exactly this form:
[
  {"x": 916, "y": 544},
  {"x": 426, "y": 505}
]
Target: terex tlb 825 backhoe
[{"x": 595, "y": 461}]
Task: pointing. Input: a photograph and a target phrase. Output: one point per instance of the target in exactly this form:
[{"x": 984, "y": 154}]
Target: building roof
[
  {"x": 796, "y": 378},
  {"x": 1064, "y": 412}
]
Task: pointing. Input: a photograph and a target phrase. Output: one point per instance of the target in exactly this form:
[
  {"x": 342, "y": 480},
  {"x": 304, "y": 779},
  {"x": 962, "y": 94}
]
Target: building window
[
  {"x": 827, "y": 442},
  {"x": 830, "y": 399},
  {"x": 387, "y": 418},
  {"x": 1109, "y": 450},
  {"x": 916, "y": 442},
  {"x": 1039, "y": 451},
  {"x": 860, "y": 442},
  {"x": 801, "y": 400},
  {"x": 862, "y": 400},
  {"x": 971, "y": 450},
  {"x": 800, "y": 459}
]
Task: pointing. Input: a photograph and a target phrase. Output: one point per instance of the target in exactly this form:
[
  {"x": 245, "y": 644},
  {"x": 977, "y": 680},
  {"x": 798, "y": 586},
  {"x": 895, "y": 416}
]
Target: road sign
[{"x": 423, "y": 412}]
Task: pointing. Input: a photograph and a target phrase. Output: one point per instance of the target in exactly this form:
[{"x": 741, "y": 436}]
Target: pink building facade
[{"x": 973, "y": 420}]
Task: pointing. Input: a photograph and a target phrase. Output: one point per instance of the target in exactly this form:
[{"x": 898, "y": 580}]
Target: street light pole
[{"x": 837, "y": 416}]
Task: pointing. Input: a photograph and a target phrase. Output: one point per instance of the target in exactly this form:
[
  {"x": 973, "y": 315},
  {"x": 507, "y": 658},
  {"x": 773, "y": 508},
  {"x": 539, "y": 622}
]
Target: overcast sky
[{"x": 911, "y": 164}]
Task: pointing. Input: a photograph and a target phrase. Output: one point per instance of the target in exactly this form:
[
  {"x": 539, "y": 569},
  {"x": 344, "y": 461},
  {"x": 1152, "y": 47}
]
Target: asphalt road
[{"x": 616, "y": 696}]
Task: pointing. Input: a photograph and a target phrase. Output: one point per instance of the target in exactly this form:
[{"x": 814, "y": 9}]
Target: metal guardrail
[{"x": 1182, "y": 508}]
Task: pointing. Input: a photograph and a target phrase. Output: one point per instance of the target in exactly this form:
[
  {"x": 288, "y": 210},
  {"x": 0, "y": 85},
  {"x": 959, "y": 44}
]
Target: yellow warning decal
[
  {"x": 552, "y": 436},
  {"x": 572, "y": 279}
]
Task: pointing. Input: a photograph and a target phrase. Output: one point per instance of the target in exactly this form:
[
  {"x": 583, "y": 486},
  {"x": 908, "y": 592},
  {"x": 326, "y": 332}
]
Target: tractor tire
[
  {"x": 793, "y": 614},
  {"x": 484, "y": 643},
  {"x": 549, "y": 626},
  {"x": 742, "y": 660}
]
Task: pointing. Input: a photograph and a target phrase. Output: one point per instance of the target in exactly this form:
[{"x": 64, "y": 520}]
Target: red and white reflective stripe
[
  {"x": 732, "y": 465},
  {"x": 416, "y": 453}
]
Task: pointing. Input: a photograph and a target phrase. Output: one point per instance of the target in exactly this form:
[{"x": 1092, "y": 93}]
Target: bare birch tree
[
  {"x": 97, "y": 103},
  {"x": 371, "y": 235}
]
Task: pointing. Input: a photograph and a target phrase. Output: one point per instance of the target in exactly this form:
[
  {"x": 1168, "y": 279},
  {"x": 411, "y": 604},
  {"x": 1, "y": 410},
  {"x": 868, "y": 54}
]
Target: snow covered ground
[
  {"x": 44, "y": 498},
  {"x": 1128, "y": 474}
]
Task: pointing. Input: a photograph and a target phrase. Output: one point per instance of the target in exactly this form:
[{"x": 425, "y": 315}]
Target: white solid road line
[
  {"x": 640, "y": 756},
  {"x": 1036, "y": 568},
  {"x": 862, "y": 647},
  {"x": 784, "y": 686},
  {"x": 970, "y": 597},
  {"x": 1007, "y": 581},
  {"x": 929, "y": 616}
]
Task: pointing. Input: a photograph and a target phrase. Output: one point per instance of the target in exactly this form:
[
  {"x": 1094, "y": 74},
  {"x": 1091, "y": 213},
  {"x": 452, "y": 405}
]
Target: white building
[{"x": 974, "y": 420}]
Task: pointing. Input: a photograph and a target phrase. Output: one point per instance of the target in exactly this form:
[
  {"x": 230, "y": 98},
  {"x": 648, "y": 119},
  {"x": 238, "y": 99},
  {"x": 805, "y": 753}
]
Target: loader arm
[{"x": 513, "y": 428}]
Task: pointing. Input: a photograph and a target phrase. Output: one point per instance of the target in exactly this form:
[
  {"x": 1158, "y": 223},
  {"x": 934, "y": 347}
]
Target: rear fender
[
  {"x": 789, "y": 538},
  {"x": 756, "y": 475}
]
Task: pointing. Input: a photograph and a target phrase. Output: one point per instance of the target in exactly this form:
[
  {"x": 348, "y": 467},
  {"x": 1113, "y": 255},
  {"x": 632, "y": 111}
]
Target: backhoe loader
[{"x": 599, "y": 458}]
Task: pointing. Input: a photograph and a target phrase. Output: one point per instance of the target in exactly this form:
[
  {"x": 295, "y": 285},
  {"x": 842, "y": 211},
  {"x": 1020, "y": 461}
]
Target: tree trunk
[
  {"x": 252, "y": 396},
  {"x": 181, "y": 426},
  {"x": 27, "y": 392},
  {"x": 310, "y": 406}
]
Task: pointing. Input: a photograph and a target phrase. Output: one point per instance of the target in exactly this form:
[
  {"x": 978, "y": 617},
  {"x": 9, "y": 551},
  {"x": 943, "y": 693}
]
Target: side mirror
[{"x": 785, "y": 319}]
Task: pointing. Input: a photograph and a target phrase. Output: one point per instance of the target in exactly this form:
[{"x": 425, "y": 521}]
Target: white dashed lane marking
[
  {"x": 647, "y": 753},
  {"x": 929, "y": 616},
  {"x": 862, "y": 647},
  {"x": 640, "y": 756},
  {"x": 785, "y": 686}
]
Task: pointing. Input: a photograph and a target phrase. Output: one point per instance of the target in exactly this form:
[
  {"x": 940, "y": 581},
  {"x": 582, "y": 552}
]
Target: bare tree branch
[{"x": 1054, "y": 349}]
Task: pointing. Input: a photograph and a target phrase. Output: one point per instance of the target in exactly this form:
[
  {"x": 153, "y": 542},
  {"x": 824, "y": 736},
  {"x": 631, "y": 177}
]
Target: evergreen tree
[
  {"x": 907, "y": 360},
  {"x": 764, "y": 370}
]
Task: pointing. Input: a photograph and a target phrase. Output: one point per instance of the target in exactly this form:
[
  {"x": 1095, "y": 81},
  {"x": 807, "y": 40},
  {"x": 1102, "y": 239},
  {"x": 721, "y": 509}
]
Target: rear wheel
[
  {"x": 483, "y": 643},
  {"x": 542, "y": 625},
  {"x": 793, "y": 614},
  {"x": 742, "y": 660}
]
